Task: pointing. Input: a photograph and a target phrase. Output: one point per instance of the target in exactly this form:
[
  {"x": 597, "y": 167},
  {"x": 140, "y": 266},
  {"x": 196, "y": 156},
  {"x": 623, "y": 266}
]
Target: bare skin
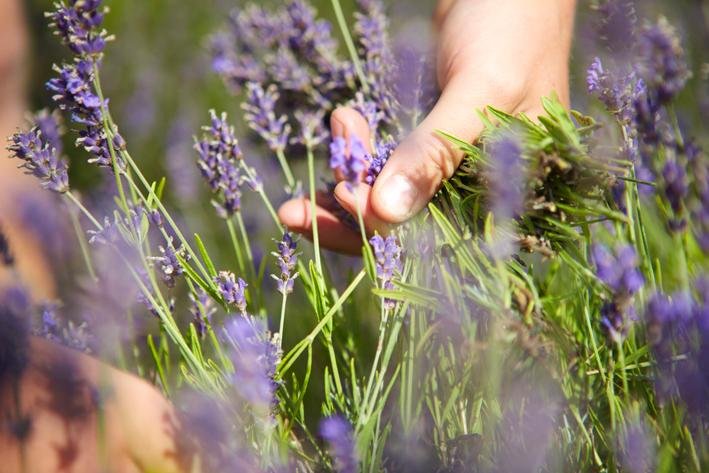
[{"x": 505, "y": 53}]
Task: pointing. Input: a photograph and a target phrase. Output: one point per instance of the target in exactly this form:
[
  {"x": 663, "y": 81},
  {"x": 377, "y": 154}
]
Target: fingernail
[{"x": 398, "y": 194}]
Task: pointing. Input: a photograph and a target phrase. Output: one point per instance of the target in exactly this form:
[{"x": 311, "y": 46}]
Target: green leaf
[{"x": 205, "y": 256}]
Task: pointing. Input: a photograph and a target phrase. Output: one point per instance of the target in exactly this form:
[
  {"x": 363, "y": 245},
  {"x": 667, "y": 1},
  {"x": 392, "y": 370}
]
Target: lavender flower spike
[
  {"x": 232, "y": 289},
  {"x": 351, "y": 164},
  {"x": 40, "y": 159},
  {"x": 255, "y": 358},
  {"x": 337, "y": 432},
  {"x": 286, "y": 258},
  {"x": 170, "y": 267},
  {"x": 387, "y": 254},
  {"x": 260, "y": 114},
  {"x": 79, "y": 25}
]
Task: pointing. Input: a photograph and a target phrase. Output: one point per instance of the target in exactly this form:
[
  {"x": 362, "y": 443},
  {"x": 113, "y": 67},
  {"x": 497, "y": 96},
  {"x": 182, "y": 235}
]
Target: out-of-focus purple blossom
[
  {"x": 178, "y": 162},
  {"x": 232, "y": 290},
  {"x": 53, "y": 328},
  {"x": 286, "y": 258},
  {"x": 675, "y": 185},
  {"x": 618, "y": 270},
  {"x": 50, "y": 125},
  {"x": 507, "y": 178},
  {"x": 6, "y": 257},
  {"x": 636, "y": 448},
  {"x": 202, "y": 310},
  {"x": 368, "y": 109},
  {"x": 49, "y": 328},
  {"x": 312, "y": 38},
  {"x": 661, "y": 60},
  {"x": 40, "y": 159},
  {"x": 235, "y": 69},
  {"x": 678, "y": 324},
  {"x": 387, "y": 256},
  {"x": 616, "y": 26},
  {"x": 288, "y": 72},
  {"x": 170, "y": 266},
  {"x": 255, "y": 358},
  {"x": 260, "y": 114},
  {"x": 698, "y": 167},
  {"x": 78, "y": 24},
  {"x": 382, "y": 153},
  {"x": 14, "y": 341},
  {"x": 372, "y": 30},
  {"x": 312, "y": 131},
  {"x": 148, "y": 303},
  {"x": 108, "y": 234},
  {"x": 350, "y": 162},
  {"x": 337, "y": 433}
]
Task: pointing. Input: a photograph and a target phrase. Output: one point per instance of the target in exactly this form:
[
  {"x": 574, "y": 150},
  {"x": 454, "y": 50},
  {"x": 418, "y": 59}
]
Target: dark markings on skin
[
  {"x": 14, "y": 340},
  {"x": 6, "y": 256},
  {"x": 74, "y": 400},
  {"x": 185, "y": 446}
]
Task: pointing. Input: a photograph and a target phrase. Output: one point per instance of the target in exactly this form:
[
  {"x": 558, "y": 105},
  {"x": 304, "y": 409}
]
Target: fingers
[
  {"x": 361, "y": 196},
  {"x": 296, "y": 214},
  {"x": 415, "y": 170}
]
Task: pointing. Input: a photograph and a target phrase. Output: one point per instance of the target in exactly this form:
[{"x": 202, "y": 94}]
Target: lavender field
[{"x": 333, "y": 237}]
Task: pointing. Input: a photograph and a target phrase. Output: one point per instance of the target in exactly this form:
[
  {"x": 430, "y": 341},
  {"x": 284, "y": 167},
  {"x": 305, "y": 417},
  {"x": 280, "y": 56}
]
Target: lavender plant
[{"x": 546, "y": 312}]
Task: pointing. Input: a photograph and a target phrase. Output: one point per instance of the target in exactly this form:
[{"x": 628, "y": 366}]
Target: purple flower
[
  {"x": 73, "y": 92},
  {"x": 618, "y": 270},
  {"x": 368, "y": 109},
  {"x": 351, "y": 164},
  {"x": 636, "y": 448},
  {"x": 202, "y": 310},
  {"x": 78, "y": 24},
  {"x": 218, "y": 155},
  {"x": 6, "y": 257},
  {"x": 312, "y": 131},
  {"x": 337, "y": 432},
  {"x": 260, "y": 114},
  {"x": 40, "y": 159},
  {"x": 678, "y": 324},
  {"x": 506, "y": 176},
  {"x": 387, "y": 255},
  {"x": 381, "y": 155},
  {"x": 675, "y": 186},
  {"x": 232, "y": 290},
  {"x": 255, "y": 358},
  {"x": 288, "y": 72},
  {"x": 286, "y": 258},
  {"x": 170, "y": 266},
  {"x": 50, "y": 125},
  {"x": 662, "y": 63},
  {"x": 372, "y": 27}
]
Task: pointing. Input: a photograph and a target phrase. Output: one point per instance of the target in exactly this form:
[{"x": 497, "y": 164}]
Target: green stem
[
  {"x": 83, "y": 209},
  {"x": 286, "y": 169},
  {"x": 262, "y": 193},
  {"x": 313, "y": 208},
  {"x": 109, "y": 140},
  {"x": 85, "y": 253},
  {"x": 235, "y": 243},
  {"x": 342, "y": 23},
  {"x": 281, "y": 325}
]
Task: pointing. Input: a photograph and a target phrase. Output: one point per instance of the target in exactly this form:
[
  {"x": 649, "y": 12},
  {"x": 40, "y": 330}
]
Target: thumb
[{"x": 414, "y": 172}]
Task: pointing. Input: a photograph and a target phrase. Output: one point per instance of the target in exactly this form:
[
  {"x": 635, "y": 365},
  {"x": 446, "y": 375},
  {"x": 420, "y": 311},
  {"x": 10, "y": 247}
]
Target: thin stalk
[
  {"x": 296, "y": 351},
  {"x": 623, "y": 374},
  {"x": 235, "y": 244},
  {"x": 313, "y": 208},
  {"x": 281, "y": 325},
  {"x": 372, "y": 374},
  {"x": 287, "y": 172},
  {"x": 342, "y": 23},
  {"x": 83, "y": 209},
  {"x": 245, "y": 238},
  {"x": 85, "y": 253},
  {"x": 262, "y": 193},
  {"x": 360, "y": 219},
  {"x": 109, "y": 140}
]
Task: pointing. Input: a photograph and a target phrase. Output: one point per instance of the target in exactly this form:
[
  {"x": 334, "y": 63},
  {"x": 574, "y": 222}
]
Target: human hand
[
  {"x": 81, "y": 415},
  {"x": 504, "y": 53}
]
